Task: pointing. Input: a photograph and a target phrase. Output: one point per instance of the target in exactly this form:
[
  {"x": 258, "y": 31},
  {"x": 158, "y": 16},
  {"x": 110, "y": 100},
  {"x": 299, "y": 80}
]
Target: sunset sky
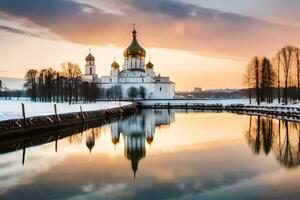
[{"x": 205, "y": 43}]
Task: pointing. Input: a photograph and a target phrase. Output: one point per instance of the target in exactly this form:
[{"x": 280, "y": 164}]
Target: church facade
[{"x": 135, "y": 77}]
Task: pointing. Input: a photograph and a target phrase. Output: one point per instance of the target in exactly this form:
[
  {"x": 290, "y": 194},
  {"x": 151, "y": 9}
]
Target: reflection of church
[
  {"x": 134, "y": 74},
  {"x": 137, "y": 130}
]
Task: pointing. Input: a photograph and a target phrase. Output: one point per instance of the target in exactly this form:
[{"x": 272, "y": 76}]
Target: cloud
[
  {"x": 18, "y": 31},
  {"x": 161, "y": 23},
  {"x": 276, "y": 10},
  {"x": 24, "y": 26}
]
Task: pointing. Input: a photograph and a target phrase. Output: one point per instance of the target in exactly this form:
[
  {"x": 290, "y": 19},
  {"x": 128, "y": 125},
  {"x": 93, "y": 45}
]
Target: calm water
[{"x": 158, "y": 155}]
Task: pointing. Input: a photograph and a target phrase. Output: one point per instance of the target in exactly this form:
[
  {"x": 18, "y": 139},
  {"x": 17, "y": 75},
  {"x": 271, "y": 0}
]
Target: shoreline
[
  {"x": 279, "y": 112},
  {"x": 53, "y": 121},
  {"x": 63, "y": 120}
]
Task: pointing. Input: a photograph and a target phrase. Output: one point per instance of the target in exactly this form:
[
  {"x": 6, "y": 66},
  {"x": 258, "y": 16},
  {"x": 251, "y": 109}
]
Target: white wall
[
  {"x": 87, "y": 69},
  {"x": 153, "y": 90},
  {"x": 134, "y": 63},
  {"x": 163, "y": 91}
]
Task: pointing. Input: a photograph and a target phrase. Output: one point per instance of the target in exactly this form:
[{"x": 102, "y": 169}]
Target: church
[{"x": 135, "y": 77}]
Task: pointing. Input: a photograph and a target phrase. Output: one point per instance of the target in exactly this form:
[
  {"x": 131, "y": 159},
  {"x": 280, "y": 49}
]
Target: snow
[{"x": 12, "y": 109}]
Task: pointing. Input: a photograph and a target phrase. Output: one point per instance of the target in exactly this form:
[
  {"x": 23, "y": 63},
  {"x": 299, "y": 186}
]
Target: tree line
[
  {"x": 49, "y": 85},
  {"x": 278, "y": 77},
  {"x": 134, "y": 93},
  {"x": 66, "y": 85},
  {"x": 6, "y": 93}
]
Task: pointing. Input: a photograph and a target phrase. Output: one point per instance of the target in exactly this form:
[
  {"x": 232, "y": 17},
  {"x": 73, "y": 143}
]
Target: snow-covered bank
[{"x": 12, "y": 109}]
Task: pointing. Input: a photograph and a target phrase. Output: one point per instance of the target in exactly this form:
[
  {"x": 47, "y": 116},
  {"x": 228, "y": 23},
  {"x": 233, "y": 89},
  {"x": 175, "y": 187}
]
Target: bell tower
[{"x": 90, "y": 67}]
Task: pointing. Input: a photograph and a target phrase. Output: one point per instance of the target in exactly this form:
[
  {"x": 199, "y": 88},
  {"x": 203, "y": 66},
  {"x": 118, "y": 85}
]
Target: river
[{"x": 157, "y": 154}]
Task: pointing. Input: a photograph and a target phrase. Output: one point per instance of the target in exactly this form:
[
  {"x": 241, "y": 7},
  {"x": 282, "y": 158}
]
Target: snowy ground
[{"x": 12, "y": 109}]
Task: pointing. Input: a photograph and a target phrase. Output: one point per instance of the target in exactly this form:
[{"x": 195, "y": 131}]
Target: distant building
[
  {"x": 134, "y": 74},
  {"x": 197, "y": 89}
]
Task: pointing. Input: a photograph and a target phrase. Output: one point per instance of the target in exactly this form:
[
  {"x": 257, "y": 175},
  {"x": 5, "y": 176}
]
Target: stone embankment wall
[{"x": 63, "y": 120}]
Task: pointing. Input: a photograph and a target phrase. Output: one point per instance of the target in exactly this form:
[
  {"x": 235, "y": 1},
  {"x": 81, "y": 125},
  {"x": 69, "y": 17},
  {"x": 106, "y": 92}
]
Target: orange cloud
[{"x": 163, "y": 24}]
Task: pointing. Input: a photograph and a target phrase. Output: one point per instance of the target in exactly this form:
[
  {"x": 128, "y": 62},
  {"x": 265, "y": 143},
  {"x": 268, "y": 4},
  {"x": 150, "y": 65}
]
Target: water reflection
[
  {"x": 136, "y": 130},
  {"x": 198, "y": 156},
  {"x": 266, "y": 135}
]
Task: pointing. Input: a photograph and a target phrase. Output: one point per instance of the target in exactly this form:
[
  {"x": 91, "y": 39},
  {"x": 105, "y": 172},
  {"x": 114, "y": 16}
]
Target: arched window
[{"x": 91, "y": 71}]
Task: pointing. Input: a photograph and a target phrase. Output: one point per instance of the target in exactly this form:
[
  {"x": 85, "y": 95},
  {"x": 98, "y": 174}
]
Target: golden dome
[
  {"x": 115, "y": 141},
  {"x": 134, "y": 50},
  {"x": 115, "y": 65},
  {"x": 90, "y": 57},
  {"x": 149, "y": 65},
  {"x": 149, "y": 140}
]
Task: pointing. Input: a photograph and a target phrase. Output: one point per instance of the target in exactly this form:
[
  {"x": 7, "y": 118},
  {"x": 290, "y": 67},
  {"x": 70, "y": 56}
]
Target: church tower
[
  {"x": 134, "y": 55},
  {"x": 90, "y": 67},
  {"x": 149, "y": 69},
  {"x": 115, "y": 69}
]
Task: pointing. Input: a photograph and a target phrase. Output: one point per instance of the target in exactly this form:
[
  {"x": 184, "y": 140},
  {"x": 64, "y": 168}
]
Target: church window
[
  {"x": 90, "y": 70},
  {"x": 160, "y": 89}
]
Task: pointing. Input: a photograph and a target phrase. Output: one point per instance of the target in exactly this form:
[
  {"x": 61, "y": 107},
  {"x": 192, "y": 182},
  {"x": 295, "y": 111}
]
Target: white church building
[{"x": 134, "y": 73}]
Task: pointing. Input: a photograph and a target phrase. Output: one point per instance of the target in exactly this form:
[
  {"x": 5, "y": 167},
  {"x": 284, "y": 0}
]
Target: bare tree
[
  {"x": 30, "y": 83},
  {"x": 267, "y": 80},
  {"x": 286, "y": 57},
  {"x": 247, "y": 81},
  {"x": 278, "y": 80},
  {"x": 253, "y": 74},
  {"x": 72, "y": 72}
]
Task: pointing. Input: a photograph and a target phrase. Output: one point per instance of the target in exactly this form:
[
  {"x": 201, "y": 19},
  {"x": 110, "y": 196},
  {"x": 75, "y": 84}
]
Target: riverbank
[
  {"x": 274, "y": 110},
  {"x": 12, "y": 109},
  {"x": 64, "y": 120}
]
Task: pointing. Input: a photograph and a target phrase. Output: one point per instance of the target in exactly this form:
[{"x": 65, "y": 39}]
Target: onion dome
[
  {"x": 90, "y": 143},
  {"x": 134, "y": 50},
  {"x": 115, "y": 141},
  {"x": 149, "y": 65},
  {"x": 115, "y": 65},
  {"x": 89, "y": 57},
  {"x": 149, "y": 140}
]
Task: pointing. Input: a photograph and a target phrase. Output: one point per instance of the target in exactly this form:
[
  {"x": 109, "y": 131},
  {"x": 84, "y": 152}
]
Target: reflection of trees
[
  {"x": 267, "y": 132},
  {"x": 281, "y": 137},
  {"x": 260, "y": 136},
  {"x": 287, "y": 150}
]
